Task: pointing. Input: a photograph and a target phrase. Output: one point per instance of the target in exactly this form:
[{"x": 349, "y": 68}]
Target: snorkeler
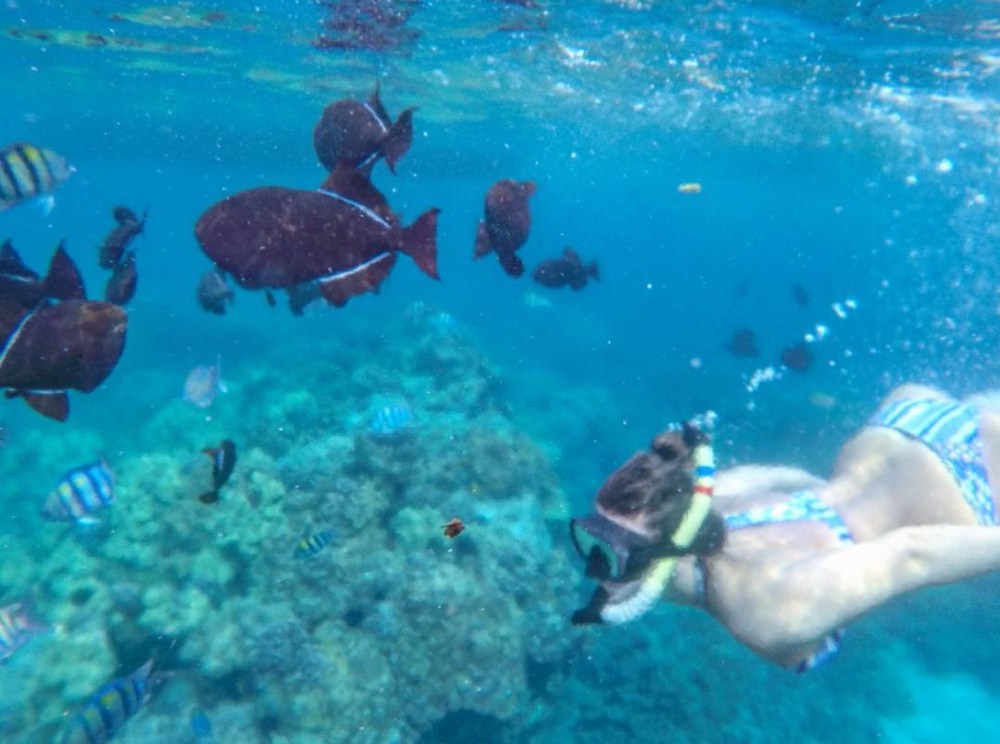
[{"x": 783, "y": 559}]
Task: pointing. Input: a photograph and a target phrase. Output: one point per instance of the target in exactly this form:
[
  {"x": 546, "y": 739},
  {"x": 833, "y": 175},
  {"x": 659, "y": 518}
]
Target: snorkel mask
[{"x": 618, "y": 556}]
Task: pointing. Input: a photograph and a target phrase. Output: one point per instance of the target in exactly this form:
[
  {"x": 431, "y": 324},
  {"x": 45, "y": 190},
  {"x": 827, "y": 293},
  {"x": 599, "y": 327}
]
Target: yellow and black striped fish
[
  {"x": 29, "y": 172},
  {"x": 310, "y": 545}
]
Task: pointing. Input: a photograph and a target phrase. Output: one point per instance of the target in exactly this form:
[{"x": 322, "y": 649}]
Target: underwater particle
[
  {"x": 944, "y": 166},
  {"x": 223, "y": 463},
  {"x": 823, "y": 401},
  {"x": 743, "y": 343},
  {"x": 311, "y": 545},
  {"x": 116, "y": 241},
  {"x": 566, "y": 270},
  {"x": 17, "y": 628},
  {"x": 204, "y": 383},
  {"x": 506, "y": 223},
  {"x": 797, "y": 357},
  {"x": 691, "y": 187},
  {"x": 454, "y": 528},
  {"x": 357, "y": 134},
  {"x": 30, "y": 172},
  {"x": 82, "y": 492},
  {"x": 110, "y": 708}
]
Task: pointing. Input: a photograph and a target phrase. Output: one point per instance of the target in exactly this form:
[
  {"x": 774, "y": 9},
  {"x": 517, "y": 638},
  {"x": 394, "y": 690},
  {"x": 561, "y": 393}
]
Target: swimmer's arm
[{"x": 831, "y": 590}]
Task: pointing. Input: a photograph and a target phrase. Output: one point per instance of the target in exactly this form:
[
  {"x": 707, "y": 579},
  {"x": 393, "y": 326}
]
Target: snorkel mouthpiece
[{"x": 654, "y": 583}]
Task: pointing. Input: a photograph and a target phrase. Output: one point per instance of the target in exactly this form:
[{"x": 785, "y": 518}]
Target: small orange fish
[
  {"x": 689, "y": 188},
  {"x": 453, "y": 528}
]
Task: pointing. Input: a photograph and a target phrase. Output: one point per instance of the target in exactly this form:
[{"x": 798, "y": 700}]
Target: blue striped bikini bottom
[{"x": 951, "y": 431}]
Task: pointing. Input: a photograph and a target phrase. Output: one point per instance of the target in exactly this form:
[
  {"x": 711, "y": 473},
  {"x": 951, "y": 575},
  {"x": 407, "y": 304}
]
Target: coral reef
[{"x": 389, "y": 630}]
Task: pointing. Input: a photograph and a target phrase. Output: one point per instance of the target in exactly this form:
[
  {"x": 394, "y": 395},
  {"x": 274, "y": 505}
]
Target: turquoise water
[{"x": 853, "y": 152}]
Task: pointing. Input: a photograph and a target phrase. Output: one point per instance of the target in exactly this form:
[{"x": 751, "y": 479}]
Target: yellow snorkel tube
[{"x": 654, "y": 583}]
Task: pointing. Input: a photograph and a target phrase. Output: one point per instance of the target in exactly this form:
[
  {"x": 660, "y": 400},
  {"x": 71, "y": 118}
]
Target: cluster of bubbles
[{"x": 820, "y": 331}]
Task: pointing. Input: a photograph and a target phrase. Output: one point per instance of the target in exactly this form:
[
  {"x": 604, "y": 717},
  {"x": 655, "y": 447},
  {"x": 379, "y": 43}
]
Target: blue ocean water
[{"x": 849, "y": 149}]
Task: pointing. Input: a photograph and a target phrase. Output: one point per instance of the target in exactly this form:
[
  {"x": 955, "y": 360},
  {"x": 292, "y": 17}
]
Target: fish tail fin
[
  {"x": 420, "y": 242},
  {"x": 511, "y": 263},
  {"x": 483, "y": 245},
  {"x": 594, "y": 270},
  {"x": 397, "y": 140}
]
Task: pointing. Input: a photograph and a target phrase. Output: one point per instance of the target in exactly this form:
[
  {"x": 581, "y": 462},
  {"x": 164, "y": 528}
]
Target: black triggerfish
[
  {"x": 506, "y": 223},
  {"x": 343, "y": 236},
  {"x": 356, "y": 135},
  {"x": 223, "y": 462},
  {"x": 566, "y": 270}
]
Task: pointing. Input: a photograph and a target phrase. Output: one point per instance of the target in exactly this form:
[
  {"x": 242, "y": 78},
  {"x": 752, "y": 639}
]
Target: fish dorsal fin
[
  {"x": 376, "y": 105},
  {"x": 572, "y": 255},
  {"x": 355, "y": 186},
  {"x": 11, "y": 263},
  {"x": 64, "y": 282}
]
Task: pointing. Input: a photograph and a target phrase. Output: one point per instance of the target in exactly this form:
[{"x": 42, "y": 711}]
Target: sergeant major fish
[
  {"x": 389, "y": 420},
  {"x": 310, "y": 545},
  {"x": 16, "y": 628},
  {"x": 81, "y": 493},
  {"x": 30, "y": 172},
  {"x": 110, "y": 708}
]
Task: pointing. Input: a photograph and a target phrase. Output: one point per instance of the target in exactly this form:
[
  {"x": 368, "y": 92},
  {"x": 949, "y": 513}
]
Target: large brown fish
[
  {"x": 48, "y": 348},
  {"x": 356, "y": 135},
  {"x": 342, "y": 236},
  {"x": 506, "y": 223}
]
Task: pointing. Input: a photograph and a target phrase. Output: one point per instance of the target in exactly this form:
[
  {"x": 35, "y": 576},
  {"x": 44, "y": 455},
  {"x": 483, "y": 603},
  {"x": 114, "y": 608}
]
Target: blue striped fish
[
  {"x": 108, "y": 709},
  {"x": 81, "y": 492},
  {"x": 390, "y": 420},
  {"x": 310, "y": 545},
  {"x": 16, "y": 628},
  {"x": 29, "y": 172}
]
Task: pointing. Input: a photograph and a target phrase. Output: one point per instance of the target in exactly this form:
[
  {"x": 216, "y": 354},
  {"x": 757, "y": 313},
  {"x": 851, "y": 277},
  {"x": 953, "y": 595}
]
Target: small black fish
[
  {"x": 120, "y": 288},
  {"x": 117, "y": 240},
  {"x": 797, "y": 357},
  {"x": 223, "y": 462},
  {"x": 213, "y": 292},
  {"x": 566, "y": 270},
  {"x": 800, "y": 295},
  {"x": 743, "y": 343}
]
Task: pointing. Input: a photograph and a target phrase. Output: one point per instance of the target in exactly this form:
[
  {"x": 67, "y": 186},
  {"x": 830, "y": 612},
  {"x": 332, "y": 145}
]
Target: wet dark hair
[{"x": 657, "y": 486}]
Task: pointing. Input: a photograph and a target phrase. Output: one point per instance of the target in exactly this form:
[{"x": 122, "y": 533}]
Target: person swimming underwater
[{"x": 783, "y": 559}]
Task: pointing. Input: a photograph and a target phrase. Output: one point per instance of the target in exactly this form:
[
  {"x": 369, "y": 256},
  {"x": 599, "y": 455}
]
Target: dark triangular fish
[
  {"x": 71, "y": 345},
  {"x": 114, "y": 245},
  {"x": 743, "y": 343},
  {"x": 506, "y": 223},
  {"x": 121, "y": 285},
  {"x": 566, "y": 270},
  {"x": 223, "y": 462},
  {"x": 797, "y": 357},
  {"x": 342, "y": 236},
  {"x": 356, "y": 135}
]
